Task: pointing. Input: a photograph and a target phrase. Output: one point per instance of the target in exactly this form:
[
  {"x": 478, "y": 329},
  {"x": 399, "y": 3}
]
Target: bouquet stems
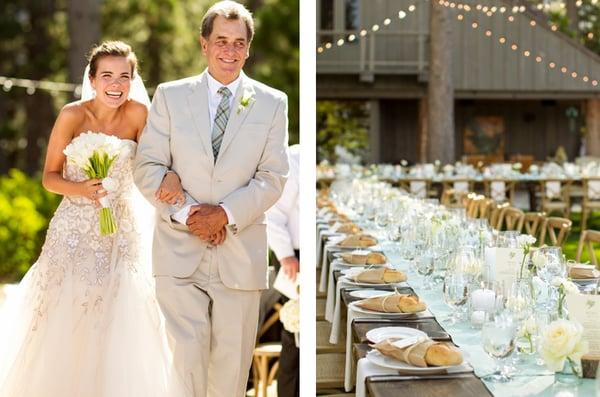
[{"x": 107, "y": 222}]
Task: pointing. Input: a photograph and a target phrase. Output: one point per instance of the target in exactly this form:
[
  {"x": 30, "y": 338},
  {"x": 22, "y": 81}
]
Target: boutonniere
[{"x": 245, "y": 100}]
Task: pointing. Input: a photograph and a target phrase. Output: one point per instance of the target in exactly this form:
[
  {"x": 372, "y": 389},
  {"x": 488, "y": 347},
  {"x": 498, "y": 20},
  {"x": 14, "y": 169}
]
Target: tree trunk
[
  {"x": 440, "y": 90},
  {"x": 572, "y": 15},
  {"x": 84, "y": 23},
  {"x": 592, "y": 136},
  {"x": 39, "y": 106}
]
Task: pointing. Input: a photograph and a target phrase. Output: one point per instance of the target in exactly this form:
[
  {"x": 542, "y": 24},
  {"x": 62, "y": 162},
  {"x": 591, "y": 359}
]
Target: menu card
[{"x": 585, "y": 309}]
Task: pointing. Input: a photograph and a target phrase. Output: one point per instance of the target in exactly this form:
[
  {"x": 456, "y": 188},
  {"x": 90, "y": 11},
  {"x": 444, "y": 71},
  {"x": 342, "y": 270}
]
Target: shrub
[{"x": 25, "y": 211}]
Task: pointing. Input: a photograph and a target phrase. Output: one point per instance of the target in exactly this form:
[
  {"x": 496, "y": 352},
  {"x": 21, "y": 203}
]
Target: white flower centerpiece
[
  {"x": 94, "y": 153},
  {"x": 562, "y": 344}
]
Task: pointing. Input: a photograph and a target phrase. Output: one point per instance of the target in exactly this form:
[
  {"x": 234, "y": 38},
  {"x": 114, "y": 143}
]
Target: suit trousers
[{"x": 211, "y": 329}]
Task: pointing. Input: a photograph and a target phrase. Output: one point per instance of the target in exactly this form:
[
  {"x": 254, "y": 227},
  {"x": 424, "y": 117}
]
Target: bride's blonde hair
[{"x": 112, "y": 48}]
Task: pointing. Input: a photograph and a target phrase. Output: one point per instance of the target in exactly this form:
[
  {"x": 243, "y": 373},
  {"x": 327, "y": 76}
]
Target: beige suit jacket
[{"x": 248, "y": 176}]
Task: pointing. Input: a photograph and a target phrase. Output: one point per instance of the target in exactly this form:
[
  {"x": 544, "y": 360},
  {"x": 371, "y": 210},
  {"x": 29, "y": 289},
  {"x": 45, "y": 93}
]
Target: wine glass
[
  {"x": 498, "y": 339},
  {"x": 425, "y": 266},
  {"x": 456, "y": 293}
]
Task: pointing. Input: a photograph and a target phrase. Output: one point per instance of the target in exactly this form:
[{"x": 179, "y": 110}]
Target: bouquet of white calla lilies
[{"x": 94, "y": 153}]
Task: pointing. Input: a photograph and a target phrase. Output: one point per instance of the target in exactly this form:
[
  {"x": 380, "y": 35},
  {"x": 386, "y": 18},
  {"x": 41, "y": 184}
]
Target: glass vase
[{"x": 570, "y": 374}]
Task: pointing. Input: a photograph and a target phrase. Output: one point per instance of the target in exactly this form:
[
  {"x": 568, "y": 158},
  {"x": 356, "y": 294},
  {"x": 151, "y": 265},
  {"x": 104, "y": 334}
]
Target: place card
[
  {"x": 504, "y": 264},
  {"x": 585, "y": 309}
]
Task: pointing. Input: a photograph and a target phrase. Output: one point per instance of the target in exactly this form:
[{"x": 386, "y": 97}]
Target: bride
[{"x": 84, "y": 320}]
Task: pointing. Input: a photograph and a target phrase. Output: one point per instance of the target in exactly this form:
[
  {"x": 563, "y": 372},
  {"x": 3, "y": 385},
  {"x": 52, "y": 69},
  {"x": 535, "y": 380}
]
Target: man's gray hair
[{"x": 229, "y": 10}]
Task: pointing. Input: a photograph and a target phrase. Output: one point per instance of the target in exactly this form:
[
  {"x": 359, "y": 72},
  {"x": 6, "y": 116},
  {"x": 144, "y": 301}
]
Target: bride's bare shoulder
[
  {"x": 136, "y": 111},
  {"x": 74, "y": 111},
  {"x": 72, "y": 115}
]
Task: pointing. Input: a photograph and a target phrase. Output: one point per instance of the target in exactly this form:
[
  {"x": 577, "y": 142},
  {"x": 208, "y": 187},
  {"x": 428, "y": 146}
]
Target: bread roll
[
  {"x": 442, "y": 354},
  {"x": 358, "y": 240},
  {"x": 380, "y": 275},
  {"x": 395, "y": 303},
  {"x": 392, "y": 276},
  {"x": 426, "y": 353},
  {"x": 376, "y": 258},
  {"x": 349, "y": 228},
  {"x": 371, "y": 258},
  {"x": 354, "y": 259}
]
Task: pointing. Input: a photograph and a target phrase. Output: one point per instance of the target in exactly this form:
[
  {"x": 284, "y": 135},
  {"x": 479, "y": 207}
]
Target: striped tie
[{"x": 220, "y": 120}]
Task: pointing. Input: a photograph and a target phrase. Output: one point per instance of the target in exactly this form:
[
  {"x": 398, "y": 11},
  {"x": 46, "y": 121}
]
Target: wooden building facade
[{"x": 519, "y": 86}]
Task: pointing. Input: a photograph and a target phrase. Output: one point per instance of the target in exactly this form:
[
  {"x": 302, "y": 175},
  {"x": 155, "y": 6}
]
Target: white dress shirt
[
  {"x": 214, "y": 99},
  {"x": 283, "y": 223}
]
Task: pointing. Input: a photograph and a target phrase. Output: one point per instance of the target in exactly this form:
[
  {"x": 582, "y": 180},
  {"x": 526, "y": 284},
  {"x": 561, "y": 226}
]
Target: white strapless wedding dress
[{"x": 84, "y": 321}]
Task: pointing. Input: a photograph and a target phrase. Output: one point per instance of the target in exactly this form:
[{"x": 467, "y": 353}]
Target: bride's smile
[{"x": 112, "y": 80}]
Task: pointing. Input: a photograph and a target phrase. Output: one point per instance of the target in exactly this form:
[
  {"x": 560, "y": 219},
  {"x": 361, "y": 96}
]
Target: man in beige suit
[{"x": 225, "y": 136}]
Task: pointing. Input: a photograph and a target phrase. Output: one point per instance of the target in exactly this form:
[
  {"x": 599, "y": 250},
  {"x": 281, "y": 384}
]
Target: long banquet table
[{"x": 530, "y": 379}]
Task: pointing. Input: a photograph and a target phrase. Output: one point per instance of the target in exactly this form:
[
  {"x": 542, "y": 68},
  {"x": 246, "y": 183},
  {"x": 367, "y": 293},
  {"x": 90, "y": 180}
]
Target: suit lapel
[
  {"x": 240, "y": 107},
  {"x": 198, "y": 103}
]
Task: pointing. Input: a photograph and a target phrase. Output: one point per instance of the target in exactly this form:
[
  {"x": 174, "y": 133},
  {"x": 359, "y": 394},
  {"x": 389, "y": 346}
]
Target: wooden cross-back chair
[
  {"x": 263, "y": 355},
  {"x": 511, "y": 218},
  {"x": 557, "y": 230},
  {"x": 587, "y": 240},
  {"x": 591, "y": 198},
  {"x": 555, "y": 196},
  {"x": 533, "y": 223},
  {"x": 494, "y": 213}
]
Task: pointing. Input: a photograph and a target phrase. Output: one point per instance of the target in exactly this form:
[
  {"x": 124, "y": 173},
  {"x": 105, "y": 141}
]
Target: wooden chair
[
  {"x": 485, "y": 206},
  {"x": 494, "y": 214},
  {"x": 418, "y": 187},
  {"x": 555, "y": 196},
  {"x": 453, "y": 199},
  {"x": 263, "y": 354},
  {"x": 474, "y": 206},
  {"x": 557, "y": 229},
  {"x": 587, "y": 239},
  {"x": 500, "y": 190},
  {"x": 591, "y": 199},
  {"x": 511, "y": 218},
  {"x": 533, "y": 222}
]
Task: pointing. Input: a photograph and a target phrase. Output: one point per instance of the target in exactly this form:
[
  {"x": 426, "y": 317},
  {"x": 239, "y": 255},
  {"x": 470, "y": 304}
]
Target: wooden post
[
  {"x": 592, "y": 136},
  {"x": 440, "y": 90},
  {"x": 422, "y": 131},
  {"x": 374, "y": 131}
]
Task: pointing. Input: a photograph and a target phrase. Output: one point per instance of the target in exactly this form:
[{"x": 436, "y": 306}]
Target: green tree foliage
[
  {"x": 344, "y": 124},
  {"x": 25, "y": 210},
  {"x": 275, "y": 53}
]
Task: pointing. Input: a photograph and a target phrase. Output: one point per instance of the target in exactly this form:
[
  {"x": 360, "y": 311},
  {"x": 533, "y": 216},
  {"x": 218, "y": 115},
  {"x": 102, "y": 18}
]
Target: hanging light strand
[
  {"x": 362, "y": 33},
  {"x": 527, "y": 53}
]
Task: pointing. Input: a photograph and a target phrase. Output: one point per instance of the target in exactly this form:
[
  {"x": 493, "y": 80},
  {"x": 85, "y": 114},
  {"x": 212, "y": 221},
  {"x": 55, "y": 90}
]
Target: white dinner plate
[
  {"x": 369, "y": 293},
  {"x": 377, "y": 335},
  {"x": 387, "y": 362},
  {"x": 359, "y": 309}
]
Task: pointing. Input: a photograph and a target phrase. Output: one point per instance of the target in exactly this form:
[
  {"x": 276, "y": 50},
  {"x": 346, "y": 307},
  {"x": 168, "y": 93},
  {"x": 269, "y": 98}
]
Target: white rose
[
  {"x": 525, "y": 239},
  {"x": 110, "y": 184},
  {"x": 539, "y": 259},
  {"x": 562, "y": 339}
]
